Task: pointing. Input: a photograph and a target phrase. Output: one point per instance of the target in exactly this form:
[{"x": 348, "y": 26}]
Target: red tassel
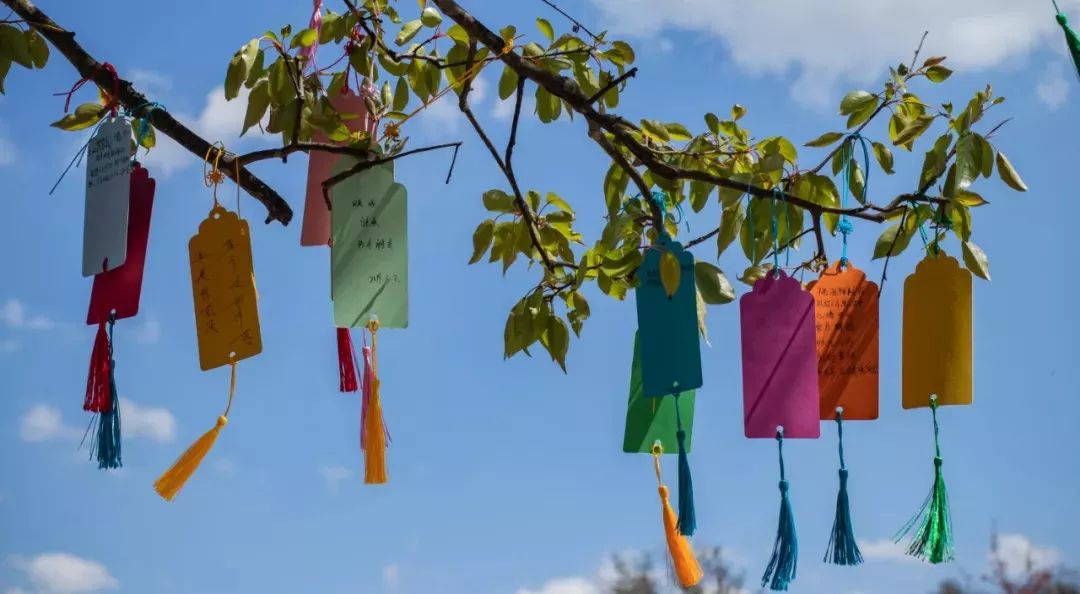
[
  {"x": 346, "y": 361},
  {"x": 97, "y": 380}
]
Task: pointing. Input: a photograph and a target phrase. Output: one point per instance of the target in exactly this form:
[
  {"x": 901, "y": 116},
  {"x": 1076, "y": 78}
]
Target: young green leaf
[
  {"x": 305, "y": 38},
  {"x": 556, "y": 340},
  {"x": 431, "y": 17},
  {"x": 1008, "y": 174},
  {"x": 258, "y": 101},
  {"x": 893, "y": 241},
  {"x": 938, "y": 73},
  {"x": 15, "y": 46},
  {"x": 507, "y": 83},
  {"x": 545, "y": 28},
  {"x": 499, "y": 201},
  {"x": 702, "y": 311},
  {"x": 615, "y": 187},
  {"x": 975, "y": 260},
  {"x": 39, "y": 50},
  {"x": 825, "y": 139},
  {"x": 401, "y": 95},
  {"x": 854, "y": 101},
  {"x": 83, "y": 117},
  {"x": 884, "y": 157},
  {"x": 737, "y": 112},
  {"x": 408, "y": 31},
  {"x": 730, "y": 223},
  {"x": 481, "y": 239},
  {"x": 714, "y": 287}
]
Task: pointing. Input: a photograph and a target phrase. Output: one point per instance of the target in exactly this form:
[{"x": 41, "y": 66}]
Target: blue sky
[{"x": 508, "y": 476}]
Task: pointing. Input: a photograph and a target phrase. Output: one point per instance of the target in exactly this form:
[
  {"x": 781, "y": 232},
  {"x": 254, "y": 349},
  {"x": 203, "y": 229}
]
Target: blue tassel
[
  {"x": 842, "y": 549},
  {"x": 108, "y": 435},
  {"x": 687, "y": 515},
  {"x": 785, "y": 556}
]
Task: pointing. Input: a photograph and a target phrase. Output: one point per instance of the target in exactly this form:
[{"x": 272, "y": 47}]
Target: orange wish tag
[
  {"x": 223, "y": 284},
  {"x": 937, "y": 359},
  {"x": 846, "y": 317}
]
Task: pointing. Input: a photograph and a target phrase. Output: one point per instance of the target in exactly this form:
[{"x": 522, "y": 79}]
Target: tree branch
[
  {"x": 614, "y": 83},
  {"x": 335, "y": 179},
  {"x": 64, "y": 40},
  {"x": 282, "y": 151}
]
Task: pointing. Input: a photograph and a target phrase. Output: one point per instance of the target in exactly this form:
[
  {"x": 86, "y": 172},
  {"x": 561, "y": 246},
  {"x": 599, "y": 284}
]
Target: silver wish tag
[{"x": 108, "y": 189}]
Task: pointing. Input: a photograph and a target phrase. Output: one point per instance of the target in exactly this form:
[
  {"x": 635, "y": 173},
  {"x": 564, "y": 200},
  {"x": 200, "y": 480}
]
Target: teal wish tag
[
  {"x": 369, "y": 261},
  {"x": 667, "y": 320}
]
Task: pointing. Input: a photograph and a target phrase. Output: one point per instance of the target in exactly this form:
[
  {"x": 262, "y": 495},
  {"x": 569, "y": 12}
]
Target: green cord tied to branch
[
  {"x": 1072, "y": 39},
  {"x": 933, "y": 541}
]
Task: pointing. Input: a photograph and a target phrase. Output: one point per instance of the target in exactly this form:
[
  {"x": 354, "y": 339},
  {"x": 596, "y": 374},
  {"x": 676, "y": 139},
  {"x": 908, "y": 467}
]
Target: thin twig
[
  {"x": 576, "y": 22},
  {"x": 611, "y": 85},
  {"x": 333, "y": 180}
]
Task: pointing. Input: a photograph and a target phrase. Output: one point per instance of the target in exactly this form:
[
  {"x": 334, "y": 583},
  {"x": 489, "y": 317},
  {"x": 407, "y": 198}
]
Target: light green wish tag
[
  {"x": 649, "y": 420},
  {"x": 369, "y": 261}
]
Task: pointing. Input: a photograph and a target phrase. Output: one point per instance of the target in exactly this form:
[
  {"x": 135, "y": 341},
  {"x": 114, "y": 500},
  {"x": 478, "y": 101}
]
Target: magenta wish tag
[{"x": 779, "y": 359}]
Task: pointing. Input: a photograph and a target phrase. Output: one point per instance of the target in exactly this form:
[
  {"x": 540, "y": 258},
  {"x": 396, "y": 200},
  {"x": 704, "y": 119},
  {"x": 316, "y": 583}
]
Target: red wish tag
[{"x": 118, "y": 290}]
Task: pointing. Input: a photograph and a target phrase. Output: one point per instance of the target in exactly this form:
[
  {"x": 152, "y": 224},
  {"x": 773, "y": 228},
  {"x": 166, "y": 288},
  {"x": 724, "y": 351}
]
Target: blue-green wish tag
[
  {"x": 649, "y": 420},
  {"x": 667, "y": 320}
]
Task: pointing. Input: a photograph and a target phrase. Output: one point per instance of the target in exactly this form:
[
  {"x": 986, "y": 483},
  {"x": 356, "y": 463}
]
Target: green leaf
[
  {"x": 458, "y": 34},
  {"x": 83, "y": 117},
  {"x": 938, "y": 73},
  {"x": 548, "y": 106},
  {"x": 677, "y": 131},
  {"x": 258, "y": 102},
  {"x": 625, "y": 51},
  {"x": 39, "y": 49},
  {"x": 656, "y": 130},
  {"x": 912, "y": 130},
  {"x": 386, "y": 95},
  {"x": 699, "y": 194},
  {"x": 825, "y": 139},
  {"x": 401, "y": 95},
  {"x": 281, "y": 88},
  {"x": 499, "y": 201},
  {"x": 5, "y": 67},
  {"x": 481, "y": 239},
  {"x": 884, "y": 157},
  {"x": 713, "y": 123},
  {"x": 430, "y": 17},
  {"x": 558, "y": 203},
  {"x": 507, "y": 83},
  {"x": 986, "y": 155},
  {"x": 545, "y": 28},
  {"x": 305, "y": 38},
  {"x": 15, "y": 46},
  {"x": 730, "y": 222},
  {"x": 737, "y": 112},
  {"x": 854, "y": 101},
  {"x": 408, "y": 31},
  {"x": 1008, "y": 174},
  {"x": 257, "y": 70},
  {"x": 968, "y": 198},
  {"x": 968, "y": 153},
  {"x": 975, "y": 260},
  {"x": 556, "y": 340},
  {"x": 893, "y": 241},
  {"x": 702, "y": 311},
  {"x": 615, "y": 187},
  {"x": 713, "y": 285},
  {"x": 863, "y": 113}
]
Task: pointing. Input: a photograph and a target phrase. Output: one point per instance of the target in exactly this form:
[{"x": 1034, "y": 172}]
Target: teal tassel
[
  {"x": 785, "y": 556},
  {"x": 842, "y": 549},
  {"x": 687, "y": 515},
  {"x": 933, "y": 541},
  {"x": 1072, "y": 40},
  {"x": 108, "y": 435}
]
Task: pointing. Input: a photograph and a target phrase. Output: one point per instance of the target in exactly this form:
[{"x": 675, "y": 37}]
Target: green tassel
[
  {"x": 1072, "y": 40},
  {"x": 687, "y": 515},
  {"x": 933, "y": 541},
  {"x": 785, "y": 556},
  {"x": 108, "y": 435},
  {"x": 842, "y": 549}
]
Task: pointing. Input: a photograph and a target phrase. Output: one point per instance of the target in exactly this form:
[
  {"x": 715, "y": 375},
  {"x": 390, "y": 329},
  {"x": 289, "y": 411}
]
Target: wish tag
[
  {"x": 779, "y": 359},
  {"x": 108, "y": 183},
  {"x": 846, "y": 316},
  {"x": 667, "y": 326},
  {"x": 369, "y": 263},
  {"x": 117, "y": 291},
  {"x": 937, "y": 357},
  {"x": 223, "y": 284},
  {"x": 316, "y": 227},
  {"x": 649, "y": 420}
]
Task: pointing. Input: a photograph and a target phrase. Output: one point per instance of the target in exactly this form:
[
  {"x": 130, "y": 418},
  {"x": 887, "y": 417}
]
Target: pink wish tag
[
  {"x": 779, "y": 357},
  {"x": 315, "y": 230}
]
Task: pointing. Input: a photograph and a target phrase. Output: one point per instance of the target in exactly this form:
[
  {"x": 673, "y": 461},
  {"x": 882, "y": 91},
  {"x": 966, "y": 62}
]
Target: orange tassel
[
  {"x": 374, "y": 434},
  {"x": 687, "y": 569},
  {"x": 170, "y": 483}
]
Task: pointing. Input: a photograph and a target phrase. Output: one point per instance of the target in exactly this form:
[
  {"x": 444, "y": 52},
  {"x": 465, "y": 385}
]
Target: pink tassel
[
  {"x": 97, "y": 380},
  {"x": 346, "y": 361},
  {"x": 315, "y": 23}
]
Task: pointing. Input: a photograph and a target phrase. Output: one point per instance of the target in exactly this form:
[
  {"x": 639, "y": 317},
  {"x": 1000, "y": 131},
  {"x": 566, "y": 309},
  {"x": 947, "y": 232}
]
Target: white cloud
[
  {"x": 156, "y": 424},
  {"x": 219, "y": 120},
  {"x": 1052, "y": 88},
  {"x": 64, "y": 573},
  {"x": 149, "y": 82},
  {"x": 852, "y": 41},
  {"x": 15, "y": 591},
  {"x": 147, "y": 332},
  {"x": 391, "y": 577},
  {"x": 504, "y": 108},
  {"x": 42, "y": 423},
  {"x": 444, "y": 117},
  {"x": 571, "y": 585},
  {"x": 333, "y": 475},
  {"x": 885, "y": 550},
  {"x": 1016, "y": 552},
  {"x": 13, "y": 314},
  {"x": 10, "y": 345}
]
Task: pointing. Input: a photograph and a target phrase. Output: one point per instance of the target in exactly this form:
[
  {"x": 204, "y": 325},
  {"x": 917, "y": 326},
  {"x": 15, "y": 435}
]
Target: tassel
[
  {"x": 687, "y": 569},
  {"x": 933, "y": 541},
  {"x": 108, "y": 437},
  {"x": 373, "y": 430},
  {"x": 1072, "y": 39},
  {"x": 346, "y": 361},
  {"x": 170, "y": 483},
  {"x": 842, "y": 549},
  {"x": 97, "y": 380},
  {"x": 687, "y": 515},
  {"x": 785, "y": 556}
]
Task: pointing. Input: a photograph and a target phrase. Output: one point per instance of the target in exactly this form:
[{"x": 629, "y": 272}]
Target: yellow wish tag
[
  {"x": 223, "y": 284},
  {"x": 937, "y": 357}
]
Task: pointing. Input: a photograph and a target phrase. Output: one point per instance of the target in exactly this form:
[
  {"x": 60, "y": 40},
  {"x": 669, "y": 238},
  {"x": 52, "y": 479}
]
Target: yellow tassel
[
  {"x": 687, "y": 569},
  {"x": 374, "y": 432},
  {"x": 170, "y": 483}
]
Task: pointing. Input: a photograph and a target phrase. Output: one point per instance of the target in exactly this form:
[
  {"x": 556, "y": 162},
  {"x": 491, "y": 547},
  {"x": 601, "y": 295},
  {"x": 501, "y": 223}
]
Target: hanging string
[
  {"x": 750, "y": 224},
  {"x": 112, "y": 98},
  {"x": 77, "y": 159},
  {"x": 845, "y": 227},
  {"x": 214, "y": 177},
  {"x": 776, "y": 229}
]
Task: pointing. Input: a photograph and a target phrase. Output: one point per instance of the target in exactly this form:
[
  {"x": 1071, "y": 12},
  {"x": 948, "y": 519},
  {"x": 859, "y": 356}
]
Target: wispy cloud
[
  {"x": 885, "y": 550},
  {"x": 1019, "y": 555},
  {"x": 148, "y": 331},
  {"x": 63, "y": 573},
  {"x": 44, "y": 422},
  {"x": 1053, "y": 89},
  {"x": 13, "y": 314},
  {"x": 333, "y": 475},
  {"x": 10, "y": 345},
  {"x": 391, "y": 577},
  {"x": 444, "y": 117}
]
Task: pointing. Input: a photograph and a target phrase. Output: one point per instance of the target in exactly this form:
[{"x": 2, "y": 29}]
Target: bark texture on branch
[{"x": 64, "y": 41}]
